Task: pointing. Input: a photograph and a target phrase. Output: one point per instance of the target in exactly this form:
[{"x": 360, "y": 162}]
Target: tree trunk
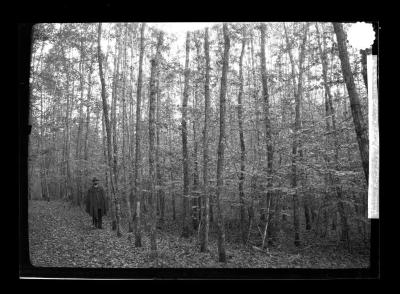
[
  {"x": 107, "y": 177},
  {"x": 358, "y": 119},
  {"x": 330, "y": 113},
  {"x": 114, "y": 150},
  {"x": 221, "y": 146},
  {"x": 297, "y": 127},
  {"x": 186, "y": 215},
  {"x": 206, "y": 198},
  {"x": 131, "y": 115},
  {"x": 137, "y": 172},
  {"x": 124, "y": 131},
  {"x": 80, "y": 126},
  {"x": 114, "y": 99},
  {"x": 196, "y": 203},
  {"x": 256, "y": 145},
  {"x": 171, "y": 177},
  {"x": 242, "y": 145},
  {"x": 66, "y": 157},
  {"x": 108, "y": 132},
  {"x": 152, "y": 148},
  {"x": 307, "y": 212},
  {"x": 160, "y": 192},
  {"x": 86, "y": 148},
  {"x": 268, "y": 136}
]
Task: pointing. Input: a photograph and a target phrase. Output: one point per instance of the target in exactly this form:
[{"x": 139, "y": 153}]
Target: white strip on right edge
[{"x": 373, "y": 131}]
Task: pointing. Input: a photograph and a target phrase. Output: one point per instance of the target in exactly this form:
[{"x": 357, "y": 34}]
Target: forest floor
[{"x": 63, "y": 236}]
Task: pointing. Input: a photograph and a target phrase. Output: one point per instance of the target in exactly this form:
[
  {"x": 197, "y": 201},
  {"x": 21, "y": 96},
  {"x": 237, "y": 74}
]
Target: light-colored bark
[
  {"x": 152, "y": 143},
  {"x": 124, "y": 135},
  {"x": 241, "y": 139},
  {"x": 206, "y": 197},
  {"x": 298, "y": 92},
  {"x": 221, "y": 146},
  {"x": 137, "y": 172},
  {"x": 268, "y": 137},
  {"x": 108, "y": 134},
  {"x": 331, "y": 117},
  {"x": 186, "y": 228}
]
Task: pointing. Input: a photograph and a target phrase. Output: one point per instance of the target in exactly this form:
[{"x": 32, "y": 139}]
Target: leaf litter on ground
[{"x": 61, "y": 236}]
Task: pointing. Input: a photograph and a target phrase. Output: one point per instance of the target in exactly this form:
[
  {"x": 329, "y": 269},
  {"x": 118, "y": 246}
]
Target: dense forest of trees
[{"x": 254, "y": 133}]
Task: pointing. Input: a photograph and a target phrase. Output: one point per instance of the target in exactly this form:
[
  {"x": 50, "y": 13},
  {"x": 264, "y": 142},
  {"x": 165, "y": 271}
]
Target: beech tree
[
  {"x": 358, "y": 119},
  {"x": 137, "y": 172},
  {"x": 152, "y": 129},
  {"x": 221, "y": 145},
  {"x": 268, "y": 136},
  {"x": 296, "y": 151},
  {"x": 330, "y": 113},
  {"x": 206, "y": 197},
  {"x": 186, "y": 231},
  {"x": 241, "y": 137},
  {"x": 108, "y": 133}
]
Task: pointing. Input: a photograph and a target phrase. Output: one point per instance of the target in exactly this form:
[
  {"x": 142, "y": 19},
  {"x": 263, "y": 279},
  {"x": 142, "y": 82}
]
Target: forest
[{"x": 232, "y": 145}]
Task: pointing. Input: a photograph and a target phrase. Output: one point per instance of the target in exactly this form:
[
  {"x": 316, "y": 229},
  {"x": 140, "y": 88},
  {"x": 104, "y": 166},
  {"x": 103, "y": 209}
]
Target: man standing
[{"x": 96, "y": 203}]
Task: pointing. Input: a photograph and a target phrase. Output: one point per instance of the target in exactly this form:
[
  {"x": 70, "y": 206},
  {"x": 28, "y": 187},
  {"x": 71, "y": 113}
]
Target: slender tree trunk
[
  {"x": 195, "y": 203},
  {"x": 297, "y": 127},
  {"x": 171, "y": 175},
  {"x": 268, "y": 136},
  {"x": 152, "y": 148},
  {"x": 80, "y": 126},
  {"x": 86, "y": 148},
  {"x": 114, "y": 99},
  {"x": 108, "y": 132},
  {"x": 330, "y": 113},
  {"x": 256, "y": 145},
  {"x": 124, "y": 141},
  {"x": 160, "y": 192},
  {"x": 67, "y": 140},
  {"x": 68, "y": 143},
  {"x": 113, "y": 175},
  {"x": 308, "y": 200},
  {"x": 108, "y": 177},
  {"x": 307, "y": 212},
  {"x": 212, "y": 203},
  {"x": 242, "y": 145},
  {"x": 137, "y": 172},
  {"x": 131, "y": 117},
  {"x": 196, "y": 200},
  {"x": 358, "y": 118},
  {"x": 186, "y": 215},
  {"x": 206, "y": 198},
  {"x": 221, "y": 146},
  {"x": 66, "y": 156},
  {"x": 172, "y": 186}
]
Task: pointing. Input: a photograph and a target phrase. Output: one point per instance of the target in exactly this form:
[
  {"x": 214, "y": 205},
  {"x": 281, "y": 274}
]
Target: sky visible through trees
[{"x": 280, "y": 134}]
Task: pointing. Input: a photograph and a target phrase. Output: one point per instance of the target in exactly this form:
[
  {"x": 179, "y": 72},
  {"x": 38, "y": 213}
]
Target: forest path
[{"x": 60, "y": 236}]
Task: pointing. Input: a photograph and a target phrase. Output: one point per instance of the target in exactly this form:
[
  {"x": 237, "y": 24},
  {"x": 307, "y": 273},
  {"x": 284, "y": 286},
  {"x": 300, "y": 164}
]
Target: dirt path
[{"x": 63, "y": 237}]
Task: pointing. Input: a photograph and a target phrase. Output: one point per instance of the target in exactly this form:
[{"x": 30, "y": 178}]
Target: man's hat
[{"x": 95, "y": 179}]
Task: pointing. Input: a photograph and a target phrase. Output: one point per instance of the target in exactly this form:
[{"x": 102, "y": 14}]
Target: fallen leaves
[{"x": 65, "y": 237}]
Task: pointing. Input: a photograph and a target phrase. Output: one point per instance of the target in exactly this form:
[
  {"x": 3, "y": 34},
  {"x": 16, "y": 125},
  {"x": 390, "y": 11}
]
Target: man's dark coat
[{"x": 95, "y": 200}]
